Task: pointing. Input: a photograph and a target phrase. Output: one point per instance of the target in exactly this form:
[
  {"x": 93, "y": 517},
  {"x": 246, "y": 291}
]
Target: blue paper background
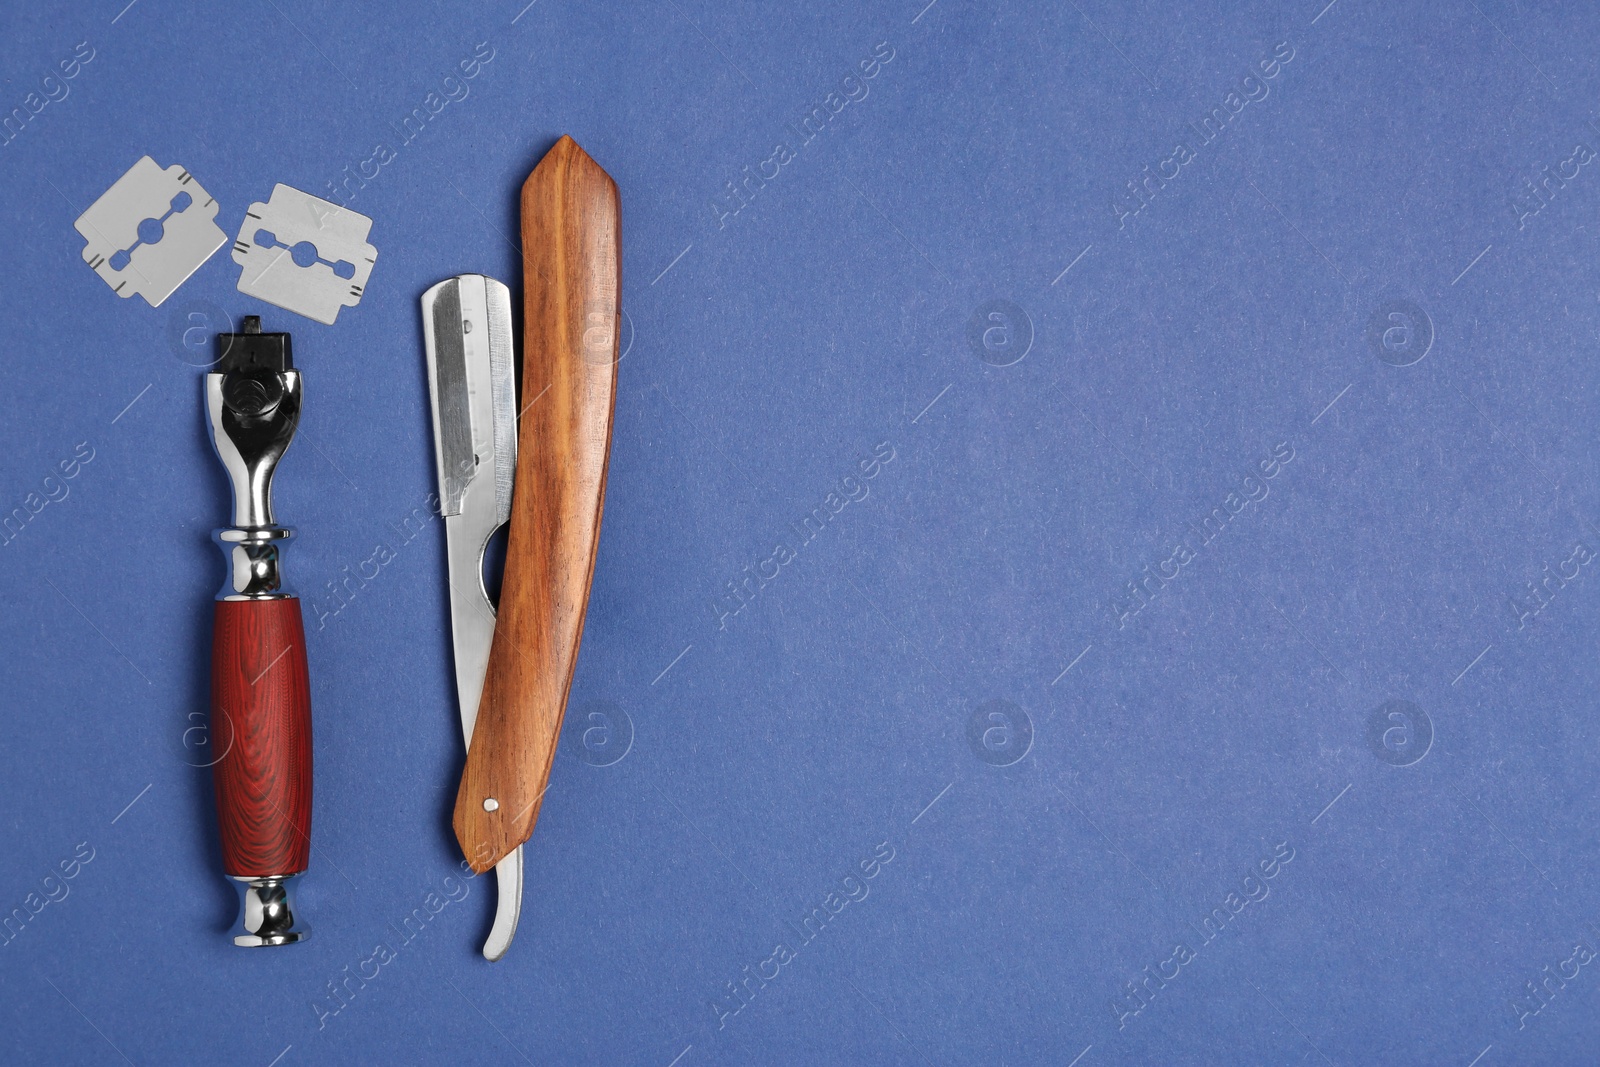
[{"x": 1147, "y": 762}]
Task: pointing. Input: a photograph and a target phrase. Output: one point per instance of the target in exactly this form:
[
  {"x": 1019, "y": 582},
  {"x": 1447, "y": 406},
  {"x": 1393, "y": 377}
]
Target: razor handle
[
  {"x": 261, "y": 712},
  {"x": 571, "y": 248},
  {"x": 260, "y": 693}
]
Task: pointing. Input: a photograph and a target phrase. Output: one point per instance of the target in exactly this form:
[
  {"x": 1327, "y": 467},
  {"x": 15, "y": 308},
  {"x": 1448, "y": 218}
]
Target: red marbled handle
[{"x": 261, "y": 712}]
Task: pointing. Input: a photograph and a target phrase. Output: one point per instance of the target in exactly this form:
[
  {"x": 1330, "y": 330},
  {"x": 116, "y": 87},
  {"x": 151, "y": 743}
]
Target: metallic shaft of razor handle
[{"x": 260, "y": 695}]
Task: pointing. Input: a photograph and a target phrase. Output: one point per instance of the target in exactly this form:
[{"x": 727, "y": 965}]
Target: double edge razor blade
[
  {"x": 150, "y": 231},
  {"x": 304, "y": 254}
]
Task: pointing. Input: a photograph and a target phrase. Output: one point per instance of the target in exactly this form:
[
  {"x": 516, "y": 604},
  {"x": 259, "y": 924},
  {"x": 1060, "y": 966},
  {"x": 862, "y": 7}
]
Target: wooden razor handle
[
  {"x": 571, "y": 245},
  {"x": 259, "y": 686}
]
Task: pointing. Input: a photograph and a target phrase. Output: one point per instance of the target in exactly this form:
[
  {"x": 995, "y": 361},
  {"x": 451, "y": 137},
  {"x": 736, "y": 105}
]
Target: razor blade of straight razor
[
  {"x": 467, "y": 335},
  {"x": 304, "y": 254},
  {"x": 150, "y": 231},
  {"x": 466, "y": 325}
]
